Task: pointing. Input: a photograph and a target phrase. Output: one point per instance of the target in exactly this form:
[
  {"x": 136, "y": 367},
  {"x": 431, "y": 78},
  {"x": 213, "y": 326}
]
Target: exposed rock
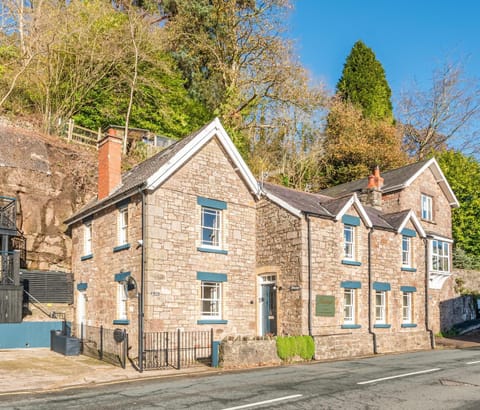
[{"x": 50, "y": 180}]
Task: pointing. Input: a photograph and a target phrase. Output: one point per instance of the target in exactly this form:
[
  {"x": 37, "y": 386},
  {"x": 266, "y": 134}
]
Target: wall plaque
[{"x": 324, "y": 305}]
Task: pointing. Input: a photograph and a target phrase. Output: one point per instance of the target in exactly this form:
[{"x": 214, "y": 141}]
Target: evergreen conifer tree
[{"x": 364, "y": 84}]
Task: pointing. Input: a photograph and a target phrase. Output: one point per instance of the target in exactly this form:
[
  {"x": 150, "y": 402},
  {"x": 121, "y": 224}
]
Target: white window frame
[
  {"x": 214, "y": 301},
  {"x": 406, "y": 251},
  {"x": 407, "y": 307},
  {"x": 349, "y": 308},
  {"x": 216, "y": 228},
  {"x": 440, "y": 256},
  {"x": 122, "y": 298},
  {"x": 427, "y": 207},
  {"x": 349, "y": 246},
  {"x": 380, "y": 307},
  {"x": 87, "y": 238},
  {"x": 123, "y": 225}
]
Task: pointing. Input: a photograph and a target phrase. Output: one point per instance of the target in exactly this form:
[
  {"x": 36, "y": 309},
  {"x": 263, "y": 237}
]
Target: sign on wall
[{"x": 324, "y": 305}]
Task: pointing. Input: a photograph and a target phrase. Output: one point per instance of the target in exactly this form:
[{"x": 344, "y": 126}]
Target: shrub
[{"x": 290, "y": 346}]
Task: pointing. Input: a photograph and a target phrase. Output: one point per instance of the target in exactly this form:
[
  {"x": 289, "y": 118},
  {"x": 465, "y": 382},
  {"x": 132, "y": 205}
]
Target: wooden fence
[{"x": 81, "y": 135}]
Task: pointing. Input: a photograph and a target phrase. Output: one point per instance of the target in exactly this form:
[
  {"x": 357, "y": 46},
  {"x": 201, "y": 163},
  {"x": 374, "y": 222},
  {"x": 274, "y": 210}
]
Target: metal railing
[
  {"x": 19, "y": 243},
  {"x": 178, "y": 349},
  {"x": 10, "y": 268},
  {"x": 109, "y": 345},
  {"x": 8, "y": 213}
]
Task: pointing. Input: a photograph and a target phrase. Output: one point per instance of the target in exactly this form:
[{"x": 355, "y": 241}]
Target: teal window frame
[{"x": 211, "y": 292}]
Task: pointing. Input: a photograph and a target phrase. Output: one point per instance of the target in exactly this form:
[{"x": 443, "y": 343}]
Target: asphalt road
[{"x": 442, "y": 379}]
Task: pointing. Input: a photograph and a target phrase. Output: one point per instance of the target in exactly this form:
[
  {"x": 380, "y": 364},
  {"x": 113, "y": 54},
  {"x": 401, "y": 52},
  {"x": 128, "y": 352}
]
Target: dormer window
[
  {"x": 349, "y": 242},
  {"x": 406, "y": 251},
  {"x": 426, "y": 202}
]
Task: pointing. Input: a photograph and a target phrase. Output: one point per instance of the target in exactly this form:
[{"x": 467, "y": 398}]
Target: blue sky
[{"x": 410, "y": 38}]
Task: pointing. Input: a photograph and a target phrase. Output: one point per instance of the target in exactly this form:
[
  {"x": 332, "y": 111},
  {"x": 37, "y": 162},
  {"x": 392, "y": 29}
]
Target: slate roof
[
  {"x": 392, "y": 180},
  {"x": 378, "y": 218},
  {"x": 137, "y": 176},
  {"x": 304, "y": 201},
  {"x": 396, "y": 219},
  {"x": 328, "y": 207}
]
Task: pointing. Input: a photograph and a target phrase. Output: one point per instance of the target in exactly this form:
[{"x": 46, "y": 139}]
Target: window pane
[
  {"x": 380, "y": 306},
  {"x": 210, "y": 227},
  {"x": 407, "y": 307},
  {"x": 440, "y": 256},
  {"x": 210, "y": 300},
  {"x": 349, "y": 306},
  {"x": 406, "y": 251},
  {"x": 348, "y": 237}
]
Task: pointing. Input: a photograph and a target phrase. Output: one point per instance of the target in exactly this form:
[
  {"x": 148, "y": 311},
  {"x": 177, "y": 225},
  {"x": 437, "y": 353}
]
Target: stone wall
[
  {"x": 328, "y": 272},
  {"x": 242, "y": 353},
  {"x": 99, "y": 271},
  {"x": 279, "y": 252},
  {"x": 343, "y": 346},
  {"x": 448, "y": 305},
  {"x": 174, "y": 252},
  {"x": 410, "y": 198},
  {"x": 403, "y": 341}
]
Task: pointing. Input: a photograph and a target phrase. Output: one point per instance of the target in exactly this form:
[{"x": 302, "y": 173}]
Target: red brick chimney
[{"x": 109, "y": 163}]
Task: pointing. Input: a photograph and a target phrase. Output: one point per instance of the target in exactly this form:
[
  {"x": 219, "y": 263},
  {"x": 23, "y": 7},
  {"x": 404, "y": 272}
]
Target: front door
[
  {"x": 81, "y": 312},
  {"x": 268, "y": 305}
]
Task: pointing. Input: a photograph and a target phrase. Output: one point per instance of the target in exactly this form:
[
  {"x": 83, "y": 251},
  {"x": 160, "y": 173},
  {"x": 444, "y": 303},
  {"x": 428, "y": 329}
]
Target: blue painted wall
[{"x": 27, "y": 334}]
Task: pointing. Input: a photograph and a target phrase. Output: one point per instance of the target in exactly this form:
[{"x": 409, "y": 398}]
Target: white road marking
[
  {"x": 400, "y": 375},
  {"x": 259, "y": 403},
  {"x": 478, "y": 361}
]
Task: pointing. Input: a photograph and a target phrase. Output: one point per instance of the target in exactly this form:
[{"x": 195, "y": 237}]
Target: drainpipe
[
  {"x": 427, "y": 312},
  {"x": 370, "y": 325},
  {"x": 142, "y": 288},
  {"x": 309, "y": 263}
]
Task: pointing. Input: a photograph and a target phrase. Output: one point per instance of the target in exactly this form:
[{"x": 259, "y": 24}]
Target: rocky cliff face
[{"x": 50, "y": 180}]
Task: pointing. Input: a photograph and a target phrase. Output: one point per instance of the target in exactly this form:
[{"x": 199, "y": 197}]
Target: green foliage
[
  {"x": 161, "y": 103},
  {"x": 290, "y": 346},
  {"x": 463, "y": 260},
  {"x": 463, "y": 175},
  {"x": 364, "y": 84}
]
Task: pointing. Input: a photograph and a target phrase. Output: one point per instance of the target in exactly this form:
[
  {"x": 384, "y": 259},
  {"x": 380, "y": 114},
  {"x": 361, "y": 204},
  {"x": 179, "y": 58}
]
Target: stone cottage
[
  {"x": 180, "y": 228},
  {"x": 189, "y": 240},
  {"x": 359, "y": 266}
]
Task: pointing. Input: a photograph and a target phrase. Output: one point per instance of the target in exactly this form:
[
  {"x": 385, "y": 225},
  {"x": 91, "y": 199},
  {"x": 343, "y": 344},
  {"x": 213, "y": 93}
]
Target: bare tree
[{"x": 446, "y": 114}]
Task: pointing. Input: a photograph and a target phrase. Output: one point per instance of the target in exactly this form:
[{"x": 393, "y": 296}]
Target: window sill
[
  {"x": 351, "y": 263},
  {"x": 407, "y": 269},
  {"x": 86, "y": 257},
  {"x": 351, "y": 326},
  {"x": 121, "y": 247},
  {"x": 382, "y": 326},
  {"x": 212, "y": 322},
  {"x": 409, "y": 325},
  {"x": 121, "y": 322},
  {"x": 212, "y": 250}
]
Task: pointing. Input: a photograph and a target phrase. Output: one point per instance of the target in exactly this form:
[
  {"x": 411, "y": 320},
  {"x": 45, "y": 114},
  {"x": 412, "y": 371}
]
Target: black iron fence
[
  {"x": 177, "y": 349},
  {"x": 109, "y": 345}
]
